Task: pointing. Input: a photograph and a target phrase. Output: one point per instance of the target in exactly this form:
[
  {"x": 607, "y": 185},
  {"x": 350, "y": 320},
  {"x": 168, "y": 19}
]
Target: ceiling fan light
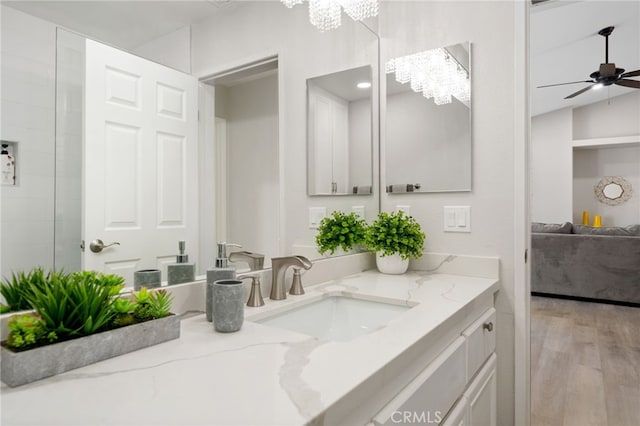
[{"x": 598, "y": 86}]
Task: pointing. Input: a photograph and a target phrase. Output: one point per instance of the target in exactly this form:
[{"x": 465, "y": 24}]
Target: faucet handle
[
  {"x": 296, "y": 284},
  {"x": 255, "y": 296}
]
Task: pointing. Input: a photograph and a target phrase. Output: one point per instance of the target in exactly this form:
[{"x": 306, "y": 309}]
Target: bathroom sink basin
[{"x": 337, "y": 318}]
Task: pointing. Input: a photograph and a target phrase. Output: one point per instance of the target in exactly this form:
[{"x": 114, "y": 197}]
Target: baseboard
[{"x": 586, "y": 299}]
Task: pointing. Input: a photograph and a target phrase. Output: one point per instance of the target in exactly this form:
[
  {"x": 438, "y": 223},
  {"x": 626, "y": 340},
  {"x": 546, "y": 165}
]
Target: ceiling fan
[{"x": 607, "y": 75}]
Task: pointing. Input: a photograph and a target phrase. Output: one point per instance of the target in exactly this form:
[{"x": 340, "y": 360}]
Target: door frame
[{"x": 209, "y": 210}]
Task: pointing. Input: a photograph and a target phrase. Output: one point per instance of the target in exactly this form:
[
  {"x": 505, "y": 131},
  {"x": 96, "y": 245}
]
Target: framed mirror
[
  {"x": 339, "y": 133},
  {"x": 613, "y": 190},
  {"x": 428, "y": 121}
]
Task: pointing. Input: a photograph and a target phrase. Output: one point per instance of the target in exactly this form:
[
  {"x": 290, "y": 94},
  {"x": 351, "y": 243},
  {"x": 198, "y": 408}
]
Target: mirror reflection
[
  {"x": 339, "y": 134},
  {"x": 613, "y": 191},
  {"x": 185, "y": 188},
  {"x": 428, "y": 121}
]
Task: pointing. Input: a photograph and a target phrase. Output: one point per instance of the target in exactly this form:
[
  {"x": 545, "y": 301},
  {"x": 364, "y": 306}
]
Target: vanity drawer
[
  {"x": 431, "y": 394},
  {"x": 458, "y": 414},
  {"x": 480, "y": 342}
]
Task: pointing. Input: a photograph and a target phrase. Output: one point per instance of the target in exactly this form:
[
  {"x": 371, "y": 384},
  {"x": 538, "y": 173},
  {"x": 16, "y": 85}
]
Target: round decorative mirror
[{"x": 613, "y": 190}]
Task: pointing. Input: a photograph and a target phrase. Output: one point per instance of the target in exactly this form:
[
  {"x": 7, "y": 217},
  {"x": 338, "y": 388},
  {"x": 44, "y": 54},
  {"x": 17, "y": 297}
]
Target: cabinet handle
[{"x": 488, "y": 326}]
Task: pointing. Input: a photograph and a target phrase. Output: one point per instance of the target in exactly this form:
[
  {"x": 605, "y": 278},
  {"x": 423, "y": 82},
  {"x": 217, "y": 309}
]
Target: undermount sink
[{"x": 337, "y": 317}]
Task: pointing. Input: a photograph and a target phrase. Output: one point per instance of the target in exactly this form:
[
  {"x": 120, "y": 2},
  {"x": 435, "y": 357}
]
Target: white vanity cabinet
[{"x": 457, "y": 388}]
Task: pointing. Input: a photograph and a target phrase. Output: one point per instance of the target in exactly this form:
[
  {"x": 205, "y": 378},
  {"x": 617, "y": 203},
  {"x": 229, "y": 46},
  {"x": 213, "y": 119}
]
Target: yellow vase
[
  {"x": 585, "y": 218},
  {"x": 597, "y": 221}
]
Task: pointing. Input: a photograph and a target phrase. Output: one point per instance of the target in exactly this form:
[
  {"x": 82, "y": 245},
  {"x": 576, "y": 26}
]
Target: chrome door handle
[{"x": 97, "y": 245}]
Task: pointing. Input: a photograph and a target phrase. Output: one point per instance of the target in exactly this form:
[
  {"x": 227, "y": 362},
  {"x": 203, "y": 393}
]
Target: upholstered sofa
[{"x": 583, "y": 262}]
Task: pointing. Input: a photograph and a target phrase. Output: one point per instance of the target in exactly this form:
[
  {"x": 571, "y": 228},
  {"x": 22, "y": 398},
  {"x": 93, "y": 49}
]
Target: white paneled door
[{"x": 140, "y": 152}]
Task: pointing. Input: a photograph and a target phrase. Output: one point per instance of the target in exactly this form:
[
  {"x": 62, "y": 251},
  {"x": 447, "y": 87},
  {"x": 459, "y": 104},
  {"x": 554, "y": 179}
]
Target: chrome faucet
[
  {"x": 254, "y": 260},
  {"x": 279, "y": 266}
]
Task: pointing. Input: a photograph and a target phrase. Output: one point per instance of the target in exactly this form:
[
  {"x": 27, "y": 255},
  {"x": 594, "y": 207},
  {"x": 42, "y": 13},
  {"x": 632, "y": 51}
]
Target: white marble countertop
[{"x": 259, "y": 376}]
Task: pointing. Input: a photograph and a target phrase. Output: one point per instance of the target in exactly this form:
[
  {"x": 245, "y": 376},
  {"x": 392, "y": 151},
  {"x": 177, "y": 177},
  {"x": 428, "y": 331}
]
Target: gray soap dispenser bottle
[
  {"x": 221, "y": 271},
  {"x": 182, "y": 271}
]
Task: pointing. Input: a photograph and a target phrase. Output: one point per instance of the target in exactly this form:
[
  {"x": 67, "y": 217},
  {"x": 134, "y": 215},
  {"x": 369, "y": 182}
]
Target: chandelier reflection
[
  {"x": 327, "y": 14},
  {"x": 434, "y": 73}
]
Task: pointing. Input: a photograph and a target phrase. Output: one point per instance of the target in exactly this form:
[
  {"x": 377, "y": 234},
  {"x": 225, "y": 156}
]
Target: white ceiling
[
  {"x": 565, "y": 46},
  {"x": 121, "y": 23}
]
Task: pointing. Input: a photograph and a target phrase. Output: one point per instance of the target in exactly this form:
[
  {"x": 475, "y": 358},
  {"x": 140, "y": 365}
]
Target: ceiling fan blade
[
  {"x": 631, "y": 74},
  {"x": 562, "y": 84},
  {"x": 579, "y": 92},
  {"x": 629, "y": 83}
]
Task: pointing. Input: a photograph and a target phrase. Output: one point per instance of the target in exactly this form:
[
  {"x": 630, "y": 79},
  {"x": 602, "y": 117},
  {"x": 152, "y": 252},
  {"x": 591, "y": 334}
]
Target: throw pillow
[{"x": 551, "y": 228}]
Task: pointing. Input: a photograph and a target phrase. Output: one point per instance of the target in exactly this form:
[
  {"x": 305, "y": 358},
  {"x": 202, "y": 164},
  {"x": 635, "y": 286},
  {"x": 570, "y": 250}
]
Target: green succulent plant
[
  {"x": 18, "y": 292},
  {"x": 123, "y": 309},
  {"x": 340, "y": 230},
  {"x": 394, "y": 233},
  {"x": 75, "y": 304},
  {"x": 69, "y": 305},
  {"x": 152, "y": 304},
  {"x": 28, "y": 330}
]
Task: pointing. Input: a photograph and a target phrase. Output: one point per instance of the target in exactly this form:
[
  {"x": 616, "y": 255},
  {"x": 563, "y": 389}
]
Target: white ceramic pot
[{"x": 393, "y": 265}]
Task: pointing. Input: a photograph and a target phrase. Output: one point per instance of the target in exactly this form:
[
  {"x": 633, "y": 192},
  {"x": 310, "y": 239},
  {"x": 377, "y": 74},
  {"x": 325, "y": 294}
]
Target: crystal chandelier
[
  {"x": 434, "y": 73},
  {"x": 326, "y": 14}
]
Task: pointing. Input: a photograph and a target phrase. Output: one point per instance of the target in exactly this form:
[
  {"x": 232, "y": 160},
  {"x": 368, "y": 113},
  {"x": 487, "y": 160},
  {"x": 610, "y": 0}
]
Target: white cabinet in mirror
[
  {"x": 428, "y": 121},
  {"x": 339, "y": 133}
]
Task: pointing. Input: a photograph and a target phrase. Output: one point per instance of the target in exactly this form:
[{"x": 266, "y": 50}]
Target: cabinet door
[
  {"x": 480, "y": 341},
  {"x": 431, "y": 394},
  {"x": 481, "y": 395}
]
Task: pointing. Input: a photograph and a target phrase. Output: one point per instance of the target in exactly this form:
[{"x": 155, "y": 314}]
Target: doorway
[
  {"x": 585, "y": 356},
  {"x": 245, "y": 118}
]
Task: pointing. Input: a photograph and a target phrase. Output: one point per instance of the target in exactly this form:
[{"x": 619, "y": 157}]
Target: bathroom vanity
[{"x": 431, "y": 361}]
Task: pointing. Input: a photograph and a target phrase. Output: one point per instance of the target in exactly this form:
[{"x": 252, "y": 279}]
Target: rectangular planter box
[{"x": 19, "y": 368}]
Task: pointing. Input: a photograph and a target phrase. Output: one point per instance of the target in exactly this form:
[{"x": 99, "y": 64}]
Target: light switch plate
[
  {"x": 315, "y": 216},
  {"x": 457, "y": 218},
  {"x": 359, "y": 210}
]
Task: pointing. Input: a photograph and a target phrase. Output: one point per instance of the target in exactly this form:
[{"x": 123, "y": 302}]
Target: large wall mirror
[
  {"x": 223, "y": 39},
  {"x": 339, "y": 134},
  {"x": 428, "y": 121}
]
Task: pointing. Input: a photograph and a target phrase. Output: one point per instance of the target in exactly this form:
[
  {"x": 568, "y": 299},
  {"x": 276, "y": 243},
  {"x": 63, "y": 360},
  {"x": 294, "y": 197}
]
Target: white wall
[
  {"x": 408, "y": 27},
  {"x": 252, "y": 165},
  {"x": 27, "y": 117},
  {"x": 589, "y": 166},
  {"x": 552, "y": 138},
  {"x": 619, "y": 116},
  {"x": 257, "y": 30},
  {"x": 551, "y": 167},
  {"x": 172, "y": 50}
]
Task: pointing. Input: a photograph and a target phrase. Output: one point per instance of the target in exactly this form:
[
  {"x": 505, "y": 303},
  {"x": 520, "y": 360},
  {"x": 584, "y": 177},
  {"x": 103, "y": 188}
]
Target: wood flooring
[{"x": 585, "y": 363}]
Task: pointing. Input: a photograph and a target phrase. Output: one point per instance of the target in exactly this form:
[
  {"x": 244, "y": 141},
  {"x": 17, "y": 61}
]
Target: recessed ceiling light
[
  {"x": 363, "y": 85},
  {"x": 598, "y": 86}
]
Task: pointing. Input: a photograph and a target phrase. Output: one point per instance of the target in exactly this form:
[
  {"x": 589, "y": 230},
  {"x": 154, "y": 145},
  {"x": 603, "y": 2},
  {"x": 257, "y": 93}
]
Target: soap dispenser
[
  {"x": 221, "y": 271},
  {"x": 182, "y": 271}
]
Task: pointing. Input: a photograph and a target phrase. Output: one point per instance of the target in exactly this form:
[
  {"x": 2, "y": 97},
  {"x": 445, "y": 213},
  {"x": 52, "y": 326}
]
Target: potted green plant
[
  {"x": 340, "y": 231},
  {"x": 80, "y": 318},
  {"x": 18, "y": 291},
  {"x": 395, "y": 238}
]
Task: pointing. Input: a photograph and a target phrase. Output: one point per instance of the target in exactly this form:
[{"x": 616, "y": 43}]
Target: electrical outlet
[
  {"x": 316, "y": 214},
  {"x": 359, "y": 210}
]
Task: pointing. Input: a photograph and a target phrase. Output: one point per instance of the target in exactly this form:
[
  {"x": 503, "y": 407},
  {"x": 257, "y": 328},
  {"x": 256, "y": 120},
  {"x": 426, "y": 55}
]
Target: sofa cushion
[
  {"x": 627, "y": 231},
  {"x": 551, "y": 228}
]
